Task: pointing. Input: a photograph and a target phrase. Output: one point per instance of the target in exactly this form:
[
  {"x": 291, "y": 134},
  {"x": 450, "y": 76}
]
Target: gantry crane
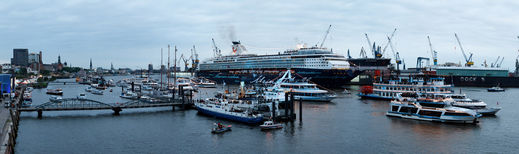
[{"x": 433, "y": 52}]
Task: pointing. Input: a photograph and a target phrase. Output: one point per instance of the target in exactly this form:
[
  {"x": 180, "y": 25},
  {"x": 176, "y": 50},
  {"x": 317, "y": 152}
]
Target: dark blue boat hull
[
  {"x": 327, "y": 78},
  {"x": 230, "y": 117}
]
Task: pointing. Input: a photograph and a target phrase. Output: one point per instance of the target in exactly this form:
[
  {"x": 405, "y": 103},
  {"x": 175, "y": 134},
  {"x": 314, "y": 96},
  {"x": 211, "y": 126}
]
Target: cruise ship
[{"x": 322, "y": 66}]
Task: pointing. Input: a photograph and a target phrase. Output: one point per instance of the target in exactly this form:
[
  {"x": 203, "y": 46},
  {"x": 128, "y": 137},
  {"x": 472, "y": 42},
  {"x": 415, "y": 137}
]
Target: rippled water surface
[{"x": 347, "y": 124}]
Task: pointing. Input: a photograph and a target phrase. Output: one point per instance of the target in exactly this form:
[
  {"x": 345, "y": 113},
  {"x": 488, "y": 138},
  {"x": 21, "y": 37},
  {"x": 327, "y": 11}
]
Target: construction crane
[
  {"x": 194, "y": 59},
  {"x": 499, "y": 65},
  {"x": 468, "y": 60},
  {"x": 217, "y": 52},
  {"x": 391, "y": 37},
  {"x": 494, "y": 64},
  {"x": 369, "y": 44},
  {"x": 325, "y": 35},
  {"x": 433, "y": 52},
  {"x": 186, "y": 62},
  {"x": 396, "y": 54}
]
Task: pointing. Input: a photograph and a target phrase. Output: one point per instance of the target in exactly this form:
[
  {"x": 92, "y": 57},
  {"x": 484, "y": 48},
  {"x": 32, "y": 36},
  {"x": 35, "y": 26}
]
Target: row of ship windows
[{"x": 410, "y": 89}]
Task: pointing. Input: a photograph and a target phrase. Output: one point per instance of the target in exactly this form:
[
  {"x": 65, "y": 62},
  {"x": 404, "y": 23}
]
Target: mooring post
[
  {"x": 291, "y": 105},
  {"x": 40, "y": 113},
  {"x": 273, "y": 110},
  {"x": 300, "y": 109},
  {"x": 133, "y": 86},
  {"x": 286, "y": 104}
]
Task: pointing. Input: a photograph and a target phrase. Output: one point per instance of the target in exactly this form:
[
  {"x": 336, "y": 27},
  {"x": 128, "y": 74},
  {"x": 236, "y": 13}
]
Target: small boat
[
  {"x": 111, "y": 90},
  {"x": 56, "y": 99},
  {"x": 270, "y": 125},
  {"x": 205, "y": 83},
  {"x": 89, "y": 89},
  {"x": 221, "y": 129},
  {"x": 82, "y": 96},
  {"x": 495, "y": 89},
  {"x": 129, "y": 95},
  {"x": 97, "y": 92},
  {"x": 227, "y": 110},
  {"x": 57, "y": 91}
]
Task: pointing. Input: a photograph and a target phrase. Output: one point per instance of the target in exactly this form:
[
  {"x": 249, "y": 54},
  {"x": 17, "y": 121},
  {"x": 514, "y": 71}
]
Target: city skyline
[{"x": 132, "y": 33}]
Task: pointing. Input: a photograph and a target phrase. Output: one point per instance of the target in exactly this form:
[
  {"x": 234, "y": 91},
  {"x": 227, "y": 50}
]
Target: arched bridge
[{"x": 69, "y": 104}]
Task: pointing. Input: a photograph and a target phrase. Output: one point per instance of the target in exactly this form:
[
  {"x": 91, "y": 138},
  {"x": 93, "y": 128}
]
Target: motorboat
[
  {"x": 221, "y": 128},
  {"x": 57, "y": 91},
  {"x": 301, "y": 89},
  {"x": 461, "y": 100},
  {"x": 89, "y": 89},
  {"x": 270, "y": 125},
  {"x": 97, "y": 92},
  {"x": 496, "y": 89},
  {"x": 205, "y": 83},
  {"x": 409, "y": 109},
  {"x": 129, "y": 95},
  {"x": 82, "y": 96},
  {"x": 55, "y": 99}
]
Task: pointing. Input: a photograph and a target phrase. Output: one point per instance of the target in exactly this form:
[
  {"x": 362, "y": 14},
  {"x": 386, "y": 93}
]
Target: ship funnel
[{"x": 237, "y": 48}]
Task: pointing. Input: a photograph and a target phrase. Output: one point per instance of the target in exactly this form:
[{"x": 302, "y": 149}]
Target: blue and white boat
[
  {"x": 301, "y": 89},
  {"x": 222, "y": 109},
  {"x": 409, "y": 109},
  {"x": 389, "y": 90}
]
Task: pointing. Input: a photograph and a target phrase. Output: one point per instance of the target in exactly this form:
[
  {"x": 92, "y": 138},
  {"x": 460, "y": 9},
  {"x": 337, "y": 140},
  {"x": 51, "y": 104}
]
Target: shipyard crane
[
  {"x": 363, "y": 53},
  {"x": 217, "y": 51},
  {"x": 369, "y": 43},
  {"x": 468, "y": 60},
  {"x": 396, "y": 54},
  {"x": 186, "y": 61},
  {"x": 499, "y": 65},
  {"x": 194, "y": 59},
  {"x": 433, "y": 52},
  {"x": 391, "y": 37},
  {"x": 325, "y": 35},
  {"x": 494, "y": 64}
]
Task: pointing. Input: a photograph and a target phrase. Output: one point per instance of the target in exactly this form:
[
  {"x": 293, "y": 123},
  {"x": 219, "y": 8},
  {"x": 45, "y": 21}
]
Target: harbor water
[{"x": 348, "y": 124}]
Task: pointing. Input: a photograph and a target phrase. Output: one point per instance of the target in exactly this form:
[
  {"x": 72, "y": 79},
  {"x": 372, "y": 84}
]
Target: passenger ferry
[
  {"x": 301, "y": 89},
  {"x": 320, "y": 65},
  {"x": 410, "y": 110},
  {"x": 461, "y": 100},
  {"x": 389, "y": 90}
]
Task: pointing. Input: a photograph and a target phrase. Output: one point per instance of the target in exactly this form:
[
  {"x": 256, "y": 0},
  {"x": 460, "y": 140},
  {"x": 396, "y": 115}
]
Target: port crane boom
[
  {"x": 396, "y": 54},
  {"x": 217, "y": 51},
  {"x": 433, "y": 52},
  {"x": 391, "y": 37},
  {"x": 369, "y": 43},
  {"x": 468, "y": 60},
  {"x": 325, "y": 35}
]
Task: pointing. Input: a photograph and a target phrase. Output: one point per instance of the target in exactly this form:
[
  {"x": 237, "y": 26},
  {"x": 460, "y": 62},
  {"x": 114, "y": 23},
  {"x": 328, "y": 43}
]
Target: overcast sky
[{"x": 131, "y": 33}]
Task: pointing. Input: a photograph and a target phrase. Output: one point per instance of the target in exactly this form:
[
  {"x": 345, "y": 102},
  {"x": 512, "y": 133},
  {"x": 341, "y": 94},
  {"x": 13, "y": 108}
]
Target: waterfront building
[{"x": 20, "y": 57}]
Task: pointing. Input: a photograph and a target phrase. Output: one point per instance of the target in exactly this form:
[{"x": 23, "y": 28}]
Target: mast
[
  {"x": 169, "y": 74},
  {"x": 161, "y": 68},
  {"x": 175, "y": 67}
]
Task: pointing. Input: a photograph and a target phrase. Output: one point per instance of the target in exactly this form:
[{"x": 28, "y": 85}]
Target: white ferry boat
[
  {"x": 390, "y": 90},
  {"x": 410, "y": 110},
  {"x": 301, "y": 89}
]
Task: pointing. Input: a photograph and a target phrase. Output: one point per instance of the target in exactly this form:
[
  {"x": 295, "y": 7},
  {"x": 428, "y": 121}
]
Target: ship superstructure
[{"x": 318, "y": 64}]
